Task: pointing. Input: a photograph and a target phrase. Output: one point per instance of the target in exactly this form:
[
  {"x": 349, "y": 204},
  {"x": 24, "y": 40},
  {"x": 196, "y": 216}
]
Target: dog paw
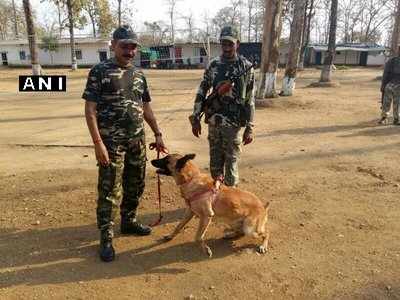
[{"x": 261, "y": 249}]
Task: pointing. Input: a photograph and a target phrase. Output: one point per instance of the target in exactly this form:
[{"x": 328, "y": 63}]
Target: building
[
  {"x": 355, "y": 54},
  {"x": 89, "y": 51},
  {"x": 180, "y": 55}
]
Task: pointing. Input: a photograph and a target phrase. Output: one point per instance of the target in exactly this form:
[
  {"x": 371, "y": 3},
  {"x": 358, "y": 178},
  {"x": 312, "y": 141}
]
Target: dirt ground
[{"x": 331, "y": 174}]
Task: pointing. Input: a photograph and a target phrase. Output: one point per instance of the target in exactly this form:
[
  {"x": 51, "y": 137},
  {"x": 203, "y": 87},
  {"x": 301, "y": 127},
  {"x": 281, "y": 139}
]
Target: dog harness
[{"x": 213, "y": 193}]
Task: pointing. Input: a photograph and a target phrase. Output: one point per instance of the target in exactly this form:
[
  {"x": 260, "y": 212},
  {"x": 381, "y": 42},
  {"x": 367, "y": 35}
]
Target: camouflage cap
[
  {"x": 229, "y": 33},
  {"x": 126, "y": 34}
]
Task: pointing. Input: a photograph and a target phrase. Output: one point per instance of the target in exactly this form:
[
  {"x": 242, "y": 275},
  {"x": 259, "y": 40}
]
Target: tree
[
  {"x": 61, "y": 20},
  {"x": 36, "y": 69},
  {"x": 171, "y": 13},
  {"x": 250, "y": 15},
  {"x": 258, "y": 20},
  {"x": 5, "y": 20},
  {"x": 189, "y": 20},
  {"x": 119, "y": 13},
  {"x": 308, "y": 15},
  {"x": 91, "y": 7},
  {"x": 122, "y": 11},
  {"x": 74, "y": 65},
  {"x": 100, "y": 16},
  {"x": 295, "y": 41},
  {"x": 270, "y": 49},
  {"x": 229, "y": 15},
  {"x": 104, "y": 18},
  {"x": 156, "y": 33},
  {"x": 15, "y": 19},
  {"x": 394, "y": 47},
  {"x": 49, "y": 44},
  {"x": 329, "y": 58},
  {"x": 12, "y": 20}
]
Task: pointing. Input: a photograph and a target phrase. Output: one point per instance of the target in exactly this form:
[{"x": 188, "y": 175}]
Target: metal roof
[{"x": 359, "y": 47}]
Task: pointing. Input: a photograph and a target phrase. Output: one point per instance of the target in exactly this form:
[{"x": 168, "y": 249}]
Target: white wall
[
  {"x": 90, "y": 54},
  {"x": 376, "y": 59},
  {"x": 344, "y": 58},
  {"x": 13, "y": 54},
  {"x": 347, "y": 58}
]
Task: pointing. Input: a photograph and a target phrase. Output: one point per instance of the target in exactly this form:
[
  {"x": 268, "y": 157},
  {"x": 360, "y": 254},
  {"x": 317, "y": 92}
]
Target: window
[
  {"x": 78, "y": 54},
  {"x": 103, "y": 55},
  {"x": 22, "y": 55}
]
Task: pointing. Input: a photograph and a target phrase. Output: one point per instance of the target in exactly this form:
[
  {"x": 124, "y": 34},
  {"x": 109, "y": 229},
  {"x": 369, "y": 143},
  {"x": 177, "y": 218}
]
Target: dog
[{"x": 206, "y": 198}]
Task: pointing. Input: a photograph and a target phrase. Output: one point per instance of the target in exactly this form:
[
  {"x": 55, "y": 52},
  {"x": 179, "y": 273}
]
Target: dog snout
[{"x": 156, "y": 163}]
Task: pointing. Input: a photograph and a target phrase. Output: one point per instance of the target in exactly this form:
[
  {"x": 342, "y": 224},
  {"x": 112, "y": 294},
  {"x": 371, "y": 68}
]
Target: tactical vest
[{"x": 231, "y": 105}]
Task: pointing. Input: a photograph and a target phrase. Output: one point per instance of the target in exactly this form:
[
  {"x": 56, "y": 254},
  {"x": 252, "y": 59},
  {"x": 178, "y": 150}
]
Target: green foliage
[
  {"x": 49, "y": 43},
  {"x": 105, "y": 19}
]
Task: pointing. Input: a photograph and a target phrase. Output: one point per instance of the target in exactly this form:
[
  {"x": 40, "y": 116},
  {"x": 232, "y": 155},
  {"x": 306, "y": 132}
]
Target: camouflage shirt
[
  {"x": 242, "y": 93},
  {"x": 392, "y": 72},
  {"x": 119, "y": 93}
]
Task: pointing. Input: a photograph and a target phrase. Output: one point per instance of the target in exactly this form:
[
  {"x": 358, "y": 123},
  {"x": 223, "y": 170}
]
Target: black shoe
[
  {"x": 396, "y": 122},
  {"x": 106, "y": 251},
  {"x": 131, "y": 226},
  {"x": 383, "y": 121}
]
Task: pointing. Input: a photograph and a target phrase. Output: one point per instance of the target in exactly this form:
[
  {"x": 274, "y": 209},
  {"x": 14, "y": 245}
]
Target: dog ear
[{"x": 182, "y": 161}]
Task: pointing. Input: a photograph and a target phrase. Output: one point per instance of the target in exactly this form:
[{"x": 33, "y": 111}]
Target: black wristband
[{"x": 158, "y": 134}]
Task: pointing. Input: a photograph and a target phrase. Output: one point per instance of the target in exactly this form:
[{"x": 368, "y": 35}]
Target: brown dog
[{"x": 242, "y": 210}]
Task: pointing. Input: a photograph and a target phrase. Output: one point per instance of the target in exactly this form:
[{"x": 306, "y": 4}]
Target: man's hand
[
  {"x": 196, "y": 125},
  {"x": 101, "y": 154},
  {"x": 248, "y": 135},
  {"x": 160, "y": 147}
]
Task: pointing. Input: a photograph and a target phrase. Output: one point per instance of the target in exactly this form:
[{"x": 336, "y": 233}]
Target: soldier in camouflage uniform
[
  {"x": 232, "y": 110},
  {"x": 391, "y": 90},
  {"x": 117, "y": 102}
]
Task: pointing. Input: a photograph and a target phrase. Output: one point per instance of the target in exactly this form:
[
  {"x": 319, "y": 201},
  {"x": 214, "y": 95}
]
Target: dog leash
[{"x": 153, "y": 146}]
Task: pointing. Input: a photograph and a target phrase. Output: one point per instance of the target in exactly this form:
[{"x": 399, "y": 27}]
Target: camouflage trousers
[
  {"x": 392, "y": 92},
  {"x": 225, "y": 148},
  {"x": 122, "y": 179}
]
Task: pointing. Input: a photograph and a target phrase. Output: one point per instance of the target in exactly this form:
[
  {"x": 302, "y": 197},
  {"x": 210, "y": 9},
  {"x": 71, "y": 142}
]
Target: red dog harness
[{"x": 213, "y": 192}]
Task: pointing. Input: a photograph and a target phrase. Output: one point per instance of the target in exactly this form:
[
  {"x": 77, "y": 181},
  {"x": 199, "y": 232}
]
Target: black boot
[
  {"x": 106, "y": 251},
  {"x": 129, "y": 225},
  {"x": 383, "y": 121}
]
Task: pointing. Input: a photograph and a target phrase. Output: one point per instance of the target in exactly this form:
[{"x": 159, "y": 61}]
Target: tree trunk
[
  {"x": 330, "y": 56},
  {"x": 249, "y": 22},
  {"x": 306, "y": 35},
  {"x": 172, "y": 27},
  {"x": 74, "y": 65},
  {"x": 93, "y": 26},
  {"x": 15, "y": 20},
  {"x": 295, "y": 41},
  {"x": 394, "y": 49},
  {"x": 270, "y": 50},
  {"x": 59, "y": 19},
  {"x": 36, "y": 70},
  {"x": 119, "y": 13}
]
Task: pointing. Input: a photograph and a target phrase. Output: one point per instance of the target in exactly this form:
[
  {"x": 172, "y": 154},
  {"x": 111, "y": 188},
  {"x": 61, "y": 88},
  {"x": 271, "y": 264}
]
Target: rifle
[{"x": 223, "y": 88}]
